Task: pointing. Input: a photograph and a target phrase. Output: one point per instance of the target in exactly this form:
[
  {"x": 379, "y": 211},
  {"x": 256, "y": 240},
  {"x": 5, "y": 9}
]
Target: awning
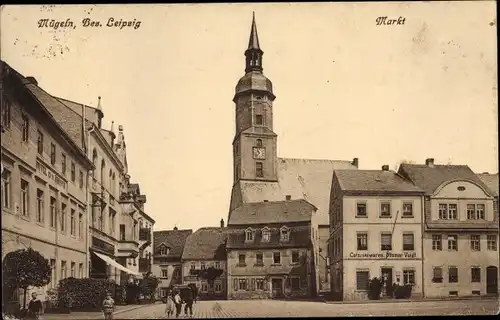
[{"x": 115, "y": 264}]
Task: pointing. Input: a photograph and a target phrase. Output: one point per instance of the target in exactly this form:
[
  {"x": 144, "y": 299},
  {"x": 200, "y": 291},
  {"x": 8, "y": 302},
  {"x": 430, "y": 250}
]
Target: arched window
[
  {"x": 249, "y": 234},
  {"x": 94, "y": 161},
  {"x": 259, "y": 142},
  {"x": 284, "y": 233},
  {"x": 110, "y": 181},
  {"x": 113, "y": 182},
  {"x": 103, "y": 167},
  {"x": 266, "y": 234}
]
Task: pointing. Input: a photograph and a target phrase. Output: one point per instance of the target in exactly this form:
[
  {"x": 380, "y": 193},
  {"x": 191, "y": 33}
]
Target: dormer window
[
  {"x": 284, "y": 233},
  {"x": 164, "y": 250},
  {"x": 266, "y": 235},
  {"x": 249, "y": 234}
]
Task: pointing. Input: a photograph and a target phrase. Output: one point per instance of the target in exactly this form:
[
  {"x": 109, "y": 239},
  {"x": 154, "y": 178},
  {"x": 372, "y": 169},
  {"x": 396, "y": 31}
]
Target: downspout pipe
[{"x": 87, "y": 201}]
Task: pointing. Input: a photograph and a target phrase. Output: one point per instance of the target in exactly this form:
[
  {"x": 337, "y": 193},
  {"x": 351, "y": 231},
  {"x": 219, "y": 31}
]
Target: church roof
[
  {"x": 271, "y": 212},
  {"x": 206, "y": 244},
  {"x": 430, "y": 178},
  {"x": 306, "y": 179},
  {"x": 374, "y": 181}
]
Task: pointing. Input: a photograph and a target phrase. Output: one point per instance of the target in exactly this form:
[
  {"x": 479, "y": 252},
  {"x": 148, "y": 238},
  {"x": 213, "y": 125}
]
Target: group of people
[{"x": 175, "y": 300}]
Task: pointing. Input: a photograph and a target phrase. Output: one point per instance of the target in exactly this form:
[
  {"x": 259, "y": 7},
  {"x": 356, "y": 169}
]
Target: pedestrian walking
[
  {"x": 188, "y": 298},
  {"x": 178, "y": 303},
  {"x": 170, "y": 308},
  {"x": 34, "y": 307},
  {"x": 108, "y": 307}
]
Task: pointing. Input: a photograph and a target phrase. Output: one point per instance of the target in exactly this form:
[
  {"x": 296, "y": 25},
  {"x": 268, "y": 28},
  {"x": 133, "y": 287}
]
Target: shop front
[{"x": 391, "y": 268}]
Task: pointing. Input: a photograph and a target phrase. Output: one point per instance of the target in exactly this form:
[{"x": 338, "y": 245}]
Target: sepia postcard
[{"x": 243, "y": 160}]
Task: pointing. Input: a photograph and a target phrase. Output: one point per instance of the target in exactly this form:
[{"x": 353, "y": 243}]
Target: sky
[{"x": 345, "y": 86}]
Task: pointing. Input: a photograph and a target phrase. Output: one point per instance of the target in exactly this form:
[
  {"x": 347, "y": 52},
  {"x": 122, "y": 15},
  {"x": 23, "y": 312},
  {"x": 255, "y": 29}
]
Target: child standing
[
  {"x": 108, "y": 307},
  {"x": 178, "y": 303},
  {"x": 170, "y": 309}
]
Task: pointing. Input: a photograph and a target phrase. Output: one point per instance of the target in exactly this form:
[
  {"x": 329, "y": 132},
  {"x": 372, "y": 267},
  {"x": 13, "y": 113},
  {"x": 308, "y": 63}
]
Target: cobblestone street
[{"x": 268, "y": 308}]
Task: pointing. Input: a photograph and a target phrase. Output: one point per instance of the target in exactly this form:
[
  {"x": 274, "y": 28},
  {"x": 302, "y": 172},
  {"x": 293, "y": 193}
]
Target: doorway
[
  {"x": 386, "y": 275},
  {"x": 492, "y": 280},
  {"x": 277, "y": 287}
]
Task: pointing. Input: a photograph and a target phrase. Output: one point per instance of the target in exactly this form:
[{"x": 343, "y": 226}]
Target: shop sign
[
  {"x": 50, "y": 174},
  {"x": 384, "y": 255}
]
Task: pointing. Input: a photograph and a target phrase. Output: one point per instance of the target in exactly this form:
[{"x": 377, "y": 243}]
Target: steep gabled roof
[
  {"x": 491, "y": 180},
  {"x": 206, "y": 244},
  {"x": 374, "y": 181},
  {"x": 429, "y": 178},
  {"x": 272, "y": 212},
  {"x": 174, "y": 239}
]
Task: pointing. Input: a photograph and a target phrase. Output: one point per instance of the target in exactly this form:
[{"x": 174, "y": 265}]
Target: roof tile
[
  {"x": 206, "y": 244},
  {"x": 174, "y": 239},
  {"x": 300, "y": 237},
  {"x": 272, "y": 212},
  {"x": 375, "y": 181}
]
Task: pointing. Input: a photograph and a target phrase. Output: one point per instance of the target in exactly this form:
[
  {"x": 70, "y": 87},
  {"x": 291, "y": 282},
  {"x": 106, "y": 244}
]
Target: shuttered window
[
  {"x": 408, "y": 241},
  {"x": 386, "y": 241},
  {"x": 453, "y": 274},
  {"x": 362, "y": 279},
  {"x": 235, "y": 284}
]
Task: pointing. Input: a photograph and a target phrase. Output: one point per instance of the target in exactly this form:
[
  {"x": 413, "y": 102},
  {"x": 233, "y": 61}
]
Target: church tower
[{"x": 254, "y": 144}]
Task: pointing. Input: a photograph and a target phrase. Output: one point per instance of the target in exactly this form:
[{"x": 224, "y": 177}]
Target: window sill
[
  {"x": 359, "y": 249},
  {"x": 241, "y": 265},
  {"x": 407, "y": 217},
  {"x": 25, "y": 218},
  {"x": 385, "y": 217},
  {"x": 258, "y": 265},
  {"x": 8, "y": 210},
  {"x": 41, "y": 224},
  {"x": 363, "y": 217},
  {"x": 275, "y": 264}
]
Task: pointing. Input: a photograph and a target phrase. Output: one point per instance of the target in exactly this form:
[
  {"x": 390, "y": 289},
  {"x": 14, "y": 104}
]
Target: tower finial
[
  {"x": 112, "y": 127},
  {"x": 253, "y": 42},
  {"x": 99, "y": 107},
  {"x": 253, "y": 53}
]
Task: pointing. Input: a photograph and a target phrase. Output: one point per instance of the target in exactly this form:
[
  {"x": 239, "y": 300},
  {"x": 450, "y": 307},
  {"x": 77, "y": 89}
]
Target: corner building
[
  {"x": 259, "y": 175},
  {"x": 460, "y": 240},
  {"x": 376, "y": 218},
  {"x": 44, "y": 185}
]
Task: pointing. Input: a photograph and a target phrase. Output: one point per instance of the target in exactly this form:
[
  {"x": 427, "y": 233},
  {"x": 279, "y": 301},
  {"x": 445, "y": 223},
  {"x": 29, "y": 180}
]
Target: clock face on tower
[{"x": 259, "y": 153}]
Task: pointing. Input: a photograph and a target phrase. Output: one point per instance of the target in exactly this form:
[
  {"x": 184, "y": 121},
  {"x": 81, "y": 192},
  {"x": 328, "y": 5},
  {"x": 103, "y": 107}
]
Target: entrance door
[
  {"x": 277, "y": 287},
  {"x": 387, "y": 278},
  {"x": 492, "y": 280}
]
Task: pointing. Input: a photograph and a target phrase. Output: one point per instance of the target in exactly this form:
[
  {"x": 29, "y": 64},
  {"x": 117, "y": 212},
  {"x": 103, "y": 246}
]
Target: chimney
[
  {"x": 385, "y": 167},
  {"x": 32, "y": 80},
  {"x": 266, "y": 200},
  {"x": 175, "y": 228},
  {"x": 355, "y": 162},
  {"x": 222, "y": 223},
  {"x": 429, "y": 162},
  {"x": 288, "y": 197}
]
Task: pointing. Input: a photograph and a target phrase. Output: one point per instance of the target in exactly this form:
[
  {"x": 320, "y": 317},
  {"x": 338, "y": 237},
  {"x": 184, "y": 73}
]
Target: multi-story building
[
  {"x": 146, "y": 227},
  {"x": 375, "y": 223},
  {"x": 270, "y": 250},
  {"x": 460, "y": 240},
  {"x": 260, "y": 175},
  {"x": 44, "y": 189},
  {"x": 206, "y": 248},
  {"x": 168, "y": 246},
  {"x": 108, "y": 252}
]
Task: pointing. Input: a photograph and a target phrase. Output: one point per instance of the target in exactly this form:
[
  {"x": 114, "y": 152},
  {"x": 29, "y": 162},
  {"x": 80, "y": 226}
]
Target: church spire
[{"x": 253, "y": 53}]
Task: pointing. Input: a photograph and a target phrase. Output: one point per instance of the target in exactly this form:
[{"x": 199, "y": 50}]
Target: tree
[
  {"x": 210, "y": 274},
  {"x": 148, "y": 285},
  {"x": 25, "y": 268}
]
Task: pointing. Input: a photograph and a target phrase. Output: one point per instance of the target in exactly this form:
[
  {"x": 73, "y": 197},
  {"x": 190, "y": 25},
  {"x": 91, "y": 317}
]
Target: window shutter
[
  {"x": 253, "y": 284},
  {"x": 248, "y": 284},
  {"x": 235, "y": 284},
  {"x": 386, "y": 239}
]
